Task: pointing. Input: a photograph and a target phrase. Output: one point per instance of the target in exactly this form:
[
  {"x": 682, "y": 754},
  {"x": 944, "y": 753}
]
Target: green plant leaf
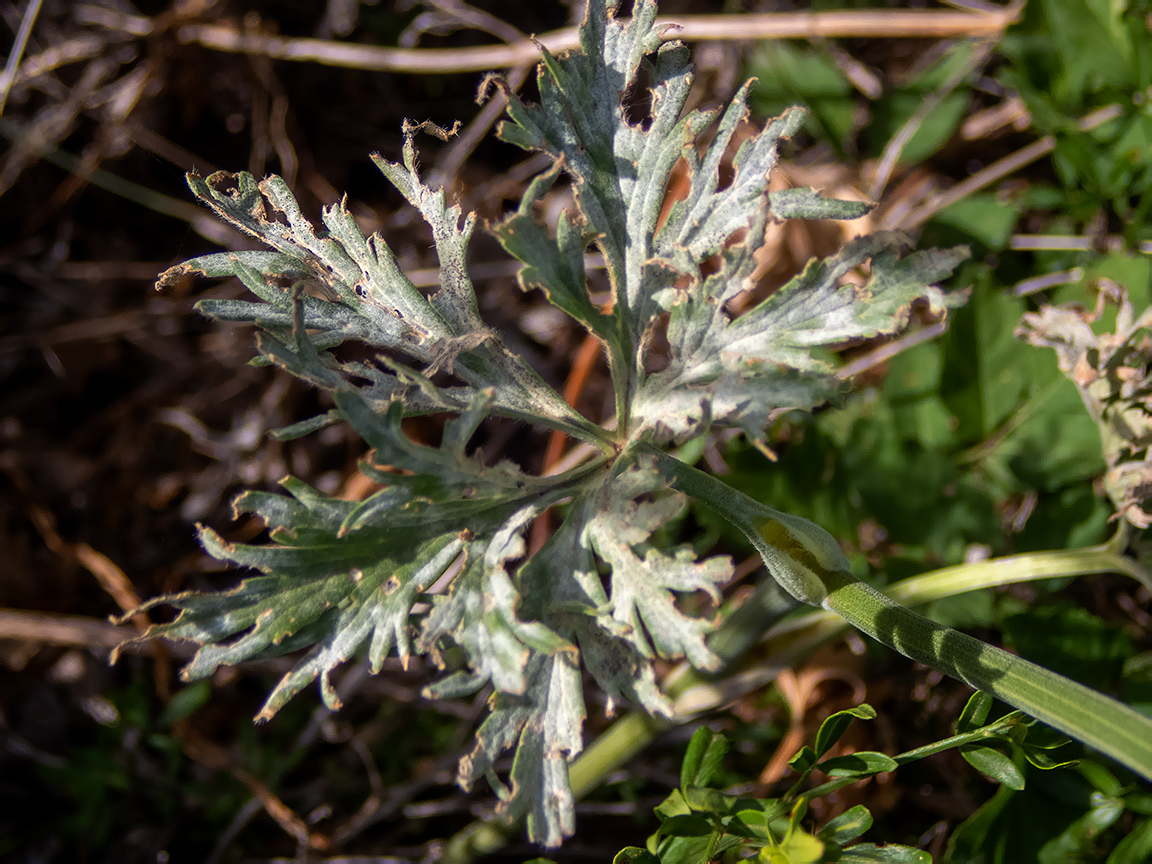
[
  {"x": 1042, "y": 760},
  {"x": 686, "y": 826},
  {"x": 554, "y": 265},
  {"x": 674, "y": 805},
  {"x": 804, "y": 759},
  {"x": 971, "y": 835},
  {"x": 847, "y": 826},
  {"x": 1079, "y": 837},
  {"x": 543, "y": 726},
  {"x": 1071, "y": 641},
  {"x": 642, "y": 581},
  {"x": 890, "y": 853},
  {"x": 1134, "y": 848},
  {"x": 786, "y": 74},
  {"x": 702, "y": 758},
  {"x": 797, "y": 848},
  {"x": 992, "y": 762},
  {"x": 741, "y": 372},
  {"x": 862, "y": 764},
  {"x": 635, "y": 855},
  {"x": 983, "y": 218},
  {"x": 975, "y": 713},
  {"x": 185, "y": 702},
  {"x": 366, "y": 297},
  {"x": 835, "y": 726},
  {"x": 435, "y": 562}
]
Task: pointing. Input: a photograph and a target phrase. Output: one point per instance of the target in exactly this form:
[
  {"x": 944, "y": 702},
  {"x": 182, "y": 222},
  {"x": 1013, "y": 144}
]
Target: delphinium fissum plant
[{"x": 436, "y": 562}]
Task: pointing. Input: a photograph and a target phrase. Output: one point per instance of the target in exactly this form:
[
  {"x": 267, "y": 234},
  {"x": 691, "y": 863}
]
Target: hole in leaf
[
  {"x": 656, "y": 349},
  {"x": 282, "y": 281},
  {"x": 604, "y": 572},
  {"x": 275, "y": 216},
  {"x": 224, "y": 183},
  {"x": 679, "y": 185},
  {"x": 636, "y": 100},
  {"x": 725, "y": 174}
]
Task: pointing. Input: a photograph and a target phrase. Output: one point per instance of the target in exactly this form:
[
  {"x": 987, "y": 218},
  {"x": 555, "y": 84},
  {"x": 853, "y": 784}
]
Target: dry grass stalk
[{"x": 934, "y": 24}]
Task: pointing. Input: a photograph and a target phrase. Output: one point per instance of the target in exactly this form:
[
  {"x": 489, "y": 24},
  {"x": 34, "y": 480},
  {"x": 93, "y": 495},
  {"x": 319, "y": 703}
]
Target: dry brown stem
[
  {"x": 999, "y": 169},
  {"x": 922, "y": 23},
  {"x": 77, "y": 631}
]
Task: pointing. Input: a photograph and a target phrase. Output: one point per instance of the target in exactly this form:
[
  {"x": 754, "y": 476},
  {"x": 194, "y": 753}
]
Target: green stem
[
  {"x": 1078, "y": 711},
  {"x": 992, "y": 730},
  {"x": 799, "y": 634}
]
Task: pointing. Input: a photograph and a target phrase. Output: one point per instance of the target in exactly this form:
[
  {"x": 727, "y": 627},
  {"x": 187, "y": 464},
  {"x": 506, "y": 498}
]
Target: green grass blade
[{"x": 1097, "y": 720}]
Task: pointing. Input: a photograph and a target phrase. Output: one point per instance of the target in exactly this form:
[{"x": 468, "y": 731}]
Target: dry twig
[
  {"x": 17, "y": 51},
  {"x": 999, "y": 169},
  {"x": 77, "y": 631},
  {"x": 924, "y": 23}
]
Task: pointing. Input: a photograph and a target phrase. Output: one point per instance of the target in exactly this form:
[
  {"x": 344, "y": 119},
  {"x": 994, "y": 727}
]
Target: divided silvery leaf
[{"x": 437, "y": 561}]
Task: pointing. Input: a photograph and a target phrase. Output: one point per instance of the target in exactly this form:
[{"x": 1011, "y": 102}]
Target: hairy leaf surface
[{"x": 436, "y": 560}]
